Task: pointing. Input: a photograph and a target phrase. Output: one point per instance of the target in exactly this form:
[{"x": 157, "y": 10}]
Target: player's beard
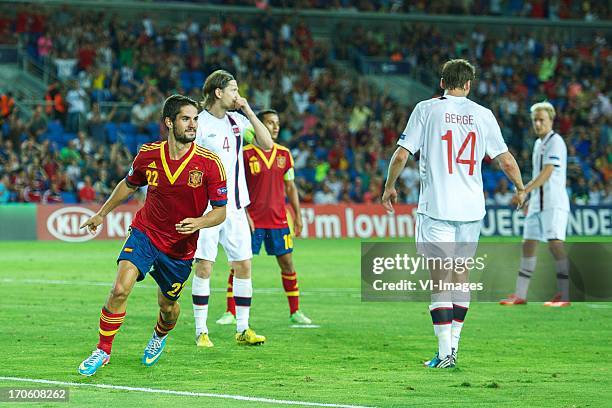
[{"x": 184, "y": 138}]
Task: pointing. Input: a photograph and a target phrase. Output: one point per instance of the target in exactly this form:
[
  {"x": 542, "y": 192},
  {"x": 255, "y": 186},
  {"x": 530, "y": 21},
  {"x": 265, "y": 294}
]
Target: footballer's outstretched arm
[
  {"x": 210, "y": 219},
  {"x": 397, "y": 164},
  {"x": 511, "y": 169},
  {"x": 121, "y": 192},
  {"x": 541, "y": 179}
]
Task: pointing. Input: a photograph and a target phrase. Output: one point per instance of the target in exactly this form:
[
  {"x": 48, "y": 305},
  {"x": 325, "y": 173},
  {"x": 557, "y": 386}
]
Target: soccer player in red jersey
[
  {"x": 182, "y": 178},
  {"x": 270, "y": 176}
]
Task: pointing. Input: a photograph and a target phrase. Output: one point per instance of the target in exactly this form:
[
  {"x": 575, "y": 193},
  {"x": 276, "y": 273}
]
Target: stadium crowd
[
  {"x": 554, "y": 10},
  {"x": 340, "y": 129}
]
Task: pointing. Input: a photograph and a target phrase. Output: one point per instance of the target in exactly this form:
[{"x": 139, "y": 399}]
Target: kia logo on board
[{"x": 64, "y": 224}]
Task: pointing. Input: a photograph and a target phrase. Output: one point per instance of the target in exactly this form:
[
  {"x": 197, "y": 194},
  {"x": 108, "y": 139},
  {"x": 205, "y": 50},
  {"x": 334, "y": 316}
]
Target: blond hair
[{"x": 545, "y": 106}]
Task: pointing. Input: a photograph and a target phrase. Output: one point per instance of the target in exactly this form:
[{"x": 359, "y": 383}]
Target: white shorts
[
  {"x": 430, "y": 230},
  {"x": 234, "y": 234},
  {"x": 546, "y": 225}
]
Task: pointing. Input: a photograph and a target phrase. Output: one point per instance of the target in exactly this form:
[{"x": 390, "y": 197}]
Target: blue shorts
[
  {"x": 170, "y": 274},
  {"x": 278, "y": 241}
]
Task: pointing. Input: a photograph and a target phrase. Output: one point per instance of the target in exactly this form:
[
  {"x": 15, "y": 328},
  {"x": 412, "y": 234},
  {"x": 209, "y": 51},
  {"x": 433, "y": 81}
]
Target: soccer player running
[
  {"x": 223, "y": 132},
  {"x": 182, "y": 179},
  {"x": 270, "y": 176},
  {"x": 452, "y": 134},
  {"x": 548, "y": 210}
]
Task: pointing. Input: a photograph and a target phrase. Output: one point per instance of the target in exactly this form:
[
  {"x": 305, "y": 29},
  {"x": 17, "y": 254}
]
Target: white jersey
[
  {"x": 551, "y": 195},
  {"x": 219, "y": 136},
  {"x": 453, "y": 135}
]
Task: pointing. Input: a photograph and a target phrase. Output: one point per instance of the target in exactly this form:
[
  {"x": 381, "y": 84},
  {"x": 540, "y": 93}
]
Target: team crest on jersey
[
  {"x": 195, "y": 178},
  {"x": 281, "y": 161}
]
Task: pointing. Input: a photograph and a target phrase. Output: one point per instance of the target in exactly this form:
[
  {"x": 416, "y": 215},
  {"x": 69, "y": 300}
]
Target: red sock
[
  {"x": 163, "y": 327},
  {"x": 291, "y": 290},
  {"x": 109, "y": 326},
  {"x": 231, "y": 304}
]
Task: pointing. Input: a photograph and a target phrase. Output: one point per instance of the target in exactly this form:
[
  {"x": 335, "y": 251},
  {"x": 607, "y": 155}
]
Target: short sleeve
[
  {"x": 290, "y": 157},
  {"x": 249, "y": 134},
  {"x": 289, "y": 172},
  {"x": 554, "y": 152},
  {"x": 494, "y": 141},
  {"x": 216, "y": 182},
  {"x": 136, "y": 176},
  {"x": 289, "y": 175},
  {"x": 411, "y": 138}
]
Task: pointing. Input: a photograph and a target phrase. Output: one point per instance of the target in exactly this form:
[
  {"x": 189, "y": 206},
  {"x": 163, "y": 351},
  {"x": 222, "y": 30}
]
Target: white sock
[
  {"x": 461, "y": 305},
  {"x": 243, "y": 292},
  {"x": 562, "y": 267},
  {"x": 442, "y": 316},
  {"x": 459, "y": 311},
  {"x": 200, "y": 292},
  {"x": 526, "y": 269}
]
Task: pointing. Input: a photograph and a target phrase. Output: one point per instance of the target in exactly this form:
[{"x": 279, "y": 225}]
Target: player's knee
[
  {"x": 120, "y": 292},
  {"x": 529, "y": 247},
  {"x": 242, "y": 269},
  {"x": 203, "y": 269},
  {"x": 286, "y": 264},
  {"x": 556, "y": 247},
  {"x": 168, "y": 307}
]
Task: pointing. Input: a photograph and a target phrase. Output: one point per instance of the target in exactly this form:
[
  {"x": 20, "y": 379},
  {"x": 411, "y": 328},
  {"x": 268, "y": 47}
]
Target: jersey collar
[
  {"x": 263, "y": 156},
  {"x": 172, "y": 177},
  {"x": 548, "y": 136}
]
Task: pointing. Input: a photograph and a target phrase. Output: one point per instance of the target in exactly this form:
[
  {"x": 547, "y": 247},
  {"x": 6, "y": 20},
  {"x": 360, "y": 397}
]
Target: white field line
[
  {"x": 182, "y": 393},
  {"x": 149, "y": 286}
]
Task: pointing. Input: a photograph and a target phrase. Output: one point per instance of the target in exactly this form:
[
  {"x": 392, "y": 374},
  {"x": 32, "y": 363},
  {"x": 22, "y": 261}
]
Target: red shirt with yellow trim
[
  {"x": 177, "y": 189},
  {"x": 266, "y": 173}
]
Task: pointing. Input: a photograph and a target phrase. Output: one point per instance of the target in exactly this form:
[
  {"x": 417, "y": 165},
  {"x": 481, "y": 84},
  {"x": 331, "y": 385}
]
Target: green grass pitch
[{"x": 362, "y": 354}]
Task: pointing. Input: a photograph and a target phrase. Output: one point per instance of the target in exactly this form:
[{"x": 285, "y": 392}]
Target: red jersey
[
  {"x": 266, "y": 173},
  {"x": 177, "y": 189}
]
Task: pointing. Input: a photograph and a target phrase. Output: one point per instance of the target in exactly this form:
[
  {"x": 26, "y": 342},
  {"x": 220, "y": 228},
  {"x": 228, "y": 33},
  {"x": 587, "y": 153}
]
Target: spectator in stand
[
  {"x": 55, "y": 104},
  {"x": 5, "y": 189},
  {"x": 38, "y": 124},
  {"x": 581, "y": 192},
  {"x": 144, "y": 113},
  {"x": 87, "y": 193},
  {"x": 53, "y": 195},
  {"x": 325, "y": 196},
  {"x": 69, "y": 153},
  {"x": 503, "y": 196},
  {"x": 83, "y": 144},
  {"x": 102, "y": 185},
  {"x": 77, "y": 107},
  {"x": 45, "y": 47},
  {"x": 96, "y": 122},
  {"x": 7, "y": 106},
  {"x": 65, "y": 66}
]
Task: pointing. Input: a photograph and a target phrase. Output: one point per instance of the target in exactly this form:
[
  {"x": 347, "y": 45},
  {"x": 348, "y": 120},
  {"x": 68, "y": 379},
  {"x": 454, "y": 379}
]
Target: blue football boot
[
  {"x": 154, "y": 349},
  {"x": 90, "y": 365}
]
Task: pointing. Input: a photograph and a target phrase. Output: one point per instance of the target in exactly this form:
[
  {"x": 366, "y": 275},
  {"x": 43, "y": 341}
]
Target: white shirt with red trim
[
  {"x": 219, "y": 136},
  {"x": 452, "y": 134}
]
